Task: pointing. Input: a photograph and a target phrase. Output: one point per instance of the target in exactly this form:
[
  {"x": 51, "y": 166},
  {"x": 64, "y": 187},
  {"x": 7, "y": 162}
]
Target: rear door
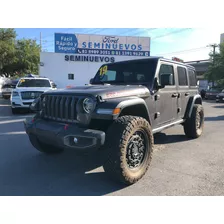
[
  {"x": 183, "y": 90},
  {"x": 193, "y": 88}
]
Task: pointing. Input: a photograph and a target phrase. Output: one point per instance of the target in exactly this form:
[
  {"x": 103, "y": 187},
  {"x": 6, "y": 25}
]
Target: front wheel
[
  {"x": 130, "y": 145},
  {"x": 193, "y": 126},
  {"x": 14, "y": 110}
]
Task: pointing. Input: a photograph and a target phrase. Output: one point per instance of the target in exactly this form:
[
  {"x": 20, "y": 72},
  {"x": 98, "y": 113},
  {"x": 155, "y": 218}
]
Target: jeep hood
[{"x": 106, "y": 91}]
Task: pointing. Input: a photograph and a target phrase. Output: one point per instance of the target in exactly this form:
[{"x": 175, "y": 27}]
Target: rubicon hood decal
[{"x": 124, "y": 93}]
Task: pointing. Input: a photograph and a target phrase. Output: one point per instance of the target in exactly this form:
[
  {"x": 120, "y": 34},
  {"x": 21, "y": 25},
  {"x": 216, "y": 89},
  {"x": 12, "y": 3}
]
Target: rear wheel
[
  {"x": 193, "y": 126},
  {"x": 14, "y": 110},
  {"x": 42, "y": 147},
  {"x": 130, "y": 145}
]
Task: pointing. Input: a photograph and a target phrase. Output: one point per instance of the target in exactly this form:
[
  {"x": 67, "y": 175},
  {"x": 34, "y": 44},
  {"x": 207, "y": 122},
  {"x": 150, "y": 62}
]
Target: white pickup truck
[{"x": 27, "y": 90}]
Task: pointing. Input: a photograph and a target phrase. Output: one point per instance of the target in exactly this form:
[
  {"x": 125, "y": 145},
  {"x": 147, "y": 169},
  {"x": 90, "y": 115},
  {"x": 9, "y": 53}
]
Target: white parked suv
[{"x": 27, "y": 90}]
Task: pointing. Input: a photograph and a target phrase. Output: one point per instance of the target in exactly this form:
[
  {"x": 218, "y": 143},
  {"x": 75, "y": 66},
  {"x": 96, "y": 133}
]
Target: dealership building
[{"x": 77, "y": 57}]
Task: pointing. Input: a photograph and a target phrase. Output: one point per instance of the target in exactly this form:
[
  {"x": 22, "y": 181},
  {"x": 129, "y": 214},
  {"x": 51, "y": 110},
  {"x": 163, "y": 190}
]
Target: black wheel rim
[
  {"x": 136, "y": 149},
  {"x": 199, "y": 120}
]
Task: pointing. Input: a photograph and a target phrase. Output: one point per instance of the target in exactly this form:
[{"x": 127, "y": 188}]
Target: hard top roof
[{"x": 155, "y": 58}]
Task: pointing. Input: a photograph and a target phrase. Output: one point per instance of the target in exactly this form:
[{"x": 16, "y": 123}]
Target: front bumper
[
  {"x": 6, "y": 93},
  {"x": 65, "y": 136},
  {"x": 210, "y": 97},
  {"x": 220, "y": 99},
  {"x": 16, "y": 102}
]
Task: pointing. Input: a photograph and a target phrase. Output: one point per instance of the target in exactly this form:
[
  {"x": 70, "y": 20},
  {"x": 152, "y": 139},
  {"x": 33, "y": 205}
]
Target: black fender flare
[
  {"x": 135, "y": 102},
  {"x": 122, "y": 103},
  {"x": 197, "y": 99}
]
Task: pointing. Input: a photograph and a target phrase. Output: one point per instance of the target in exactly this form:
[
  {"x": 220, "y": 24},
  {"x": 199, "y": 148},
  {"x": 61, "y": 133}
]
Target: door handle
[
  {"x": 174, "y": 95},
  {"x": 157, "y": 97},
  {"x": 187, "y": 94}
]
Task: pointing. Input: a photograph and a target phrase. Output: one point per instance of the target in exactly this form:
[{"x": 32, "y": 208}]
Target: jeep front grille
[
  {"x": 30, "y": 95},
  {"x": 60, "y": 108}
]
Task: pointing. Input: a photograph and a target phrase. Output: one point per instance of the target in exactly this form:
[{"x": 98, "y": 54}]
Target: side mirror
[
  {"x": 166, "y": 80},
  {"x": 157, "y": 85},
  {"x": 91, "y": 81},
  {"x": 54, "y": 85}
]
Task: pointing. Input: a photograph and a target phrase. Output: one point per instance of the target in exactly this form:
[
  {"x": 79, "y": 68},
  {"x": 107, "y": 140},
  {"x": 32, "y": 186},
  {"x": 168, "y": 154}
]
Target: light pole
[{"x": 214, "y": 46}]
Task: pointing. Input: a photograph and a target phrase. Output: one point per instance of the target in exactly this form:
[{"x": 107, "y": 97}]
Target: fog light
[{"x": 75, "y": 140}]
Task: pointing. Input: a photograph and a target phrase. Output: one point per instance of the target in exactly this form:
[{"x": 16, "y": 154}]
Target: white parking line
[
  {"x": 11, "y": 121},
  {"x": 11, "y": 117},
  {"x": 14, "y": 133},
  {"x": 4, "y": 105}
]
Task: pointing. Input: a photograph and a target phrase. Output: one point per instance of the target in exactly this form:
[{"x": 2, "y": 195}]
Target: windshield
[
  {"x": 6, "y": 86},
  {"x": 127, "y": 72},
  {"x": 214, "y": 90},
  {"x": 34, "y": 83}
]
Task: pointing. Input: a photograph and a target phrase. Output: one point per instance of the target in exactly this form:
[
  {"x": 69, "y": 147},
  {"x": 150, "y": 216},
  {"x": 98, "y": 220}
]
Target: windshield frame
[{"x": 19, "y": 82}]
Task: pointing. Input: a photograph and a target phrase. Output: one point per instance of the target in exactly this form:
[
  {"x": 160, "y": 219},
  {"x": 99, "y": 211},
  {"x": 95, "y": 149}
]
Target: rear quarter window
[{"x": 192, "y": 77}]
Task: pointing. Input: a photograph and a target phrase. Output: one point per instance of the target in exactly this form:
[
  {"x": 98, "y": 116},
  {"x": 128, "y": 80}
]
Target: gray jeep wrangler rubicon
[{"x": 119, "y": 111}]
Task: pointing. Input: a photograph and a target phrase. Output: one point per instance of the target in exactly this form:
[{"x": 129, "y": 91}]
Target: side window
[
  {"x": 166, "y": 69},
  {"x": 192, "y": 78},
  {"x": 182, "y": 76}
]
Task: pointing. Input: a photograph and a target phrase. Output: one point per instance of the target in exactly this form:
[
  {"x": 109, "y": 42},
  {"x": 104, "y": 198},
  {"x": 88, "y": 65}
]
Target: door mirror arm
[{"x": 157, "y": 86}]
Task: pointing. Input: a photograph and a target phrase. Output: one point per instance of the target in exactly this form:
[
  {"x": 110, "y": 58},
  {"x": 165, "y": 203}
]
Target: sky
[{"x": 189, "y": 44}]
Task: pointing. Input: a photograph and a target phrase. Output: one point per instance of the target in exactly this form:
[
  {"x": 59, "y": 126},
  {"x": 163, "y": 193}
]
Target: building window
[
  {"x": 192, "y": 78},
  {"x": 182, "y": 76},
  {"x": 71, "y": 76}
]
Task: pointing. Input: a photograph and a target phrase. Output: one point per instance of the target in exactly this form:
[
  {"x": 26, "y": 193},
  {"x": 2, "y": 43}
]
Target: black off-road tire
[
  {"x": 14, "y": 110},
  {"x": 42, "y": 147},
  {"x": 117, "y": 141},
  {"x": 193, "y": 126}
]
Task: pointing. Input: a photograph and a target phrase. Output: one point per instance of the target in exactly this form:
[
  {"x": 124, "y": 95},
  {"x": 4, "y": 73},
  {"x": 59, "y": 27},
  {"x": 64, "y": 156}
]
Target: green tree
[
  {"x": 18, "y": 57},
  {"x": 27, "y": 56},
  {"x": 7, "y": 48},
  {"x": 215, "y": 71}
]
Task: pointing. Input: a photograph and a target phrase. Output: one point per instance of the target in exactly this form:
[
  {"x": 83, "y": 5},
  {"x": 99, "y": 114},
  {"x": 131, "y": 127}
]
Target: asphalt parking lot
[{"x": 179, "y": 166}]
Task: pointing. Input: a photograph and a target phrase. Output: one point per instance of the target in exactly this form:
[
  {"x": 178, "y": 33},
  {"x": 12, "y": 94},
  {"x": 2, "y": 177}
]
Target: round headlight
[{"x": 88, "y": 105}]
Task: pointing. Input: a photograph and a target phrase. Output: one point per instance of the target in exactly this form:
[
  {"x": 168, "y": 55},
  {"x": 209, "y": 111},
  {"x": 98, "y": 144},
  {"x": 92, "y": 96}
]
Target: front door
[{"x": 166, "y": 98}]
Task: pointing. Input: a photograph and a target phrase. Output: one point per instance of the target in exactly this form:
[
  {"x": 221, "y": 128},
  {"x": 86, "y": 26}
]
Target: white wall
[{"x": 56, "y": 68}]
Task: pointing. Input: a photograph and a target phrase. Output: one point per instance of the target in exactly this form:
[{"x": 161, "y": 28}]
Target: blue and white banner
[
  {"x": 102, "y": 45},
  {"x": 112, "y": 52}
]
